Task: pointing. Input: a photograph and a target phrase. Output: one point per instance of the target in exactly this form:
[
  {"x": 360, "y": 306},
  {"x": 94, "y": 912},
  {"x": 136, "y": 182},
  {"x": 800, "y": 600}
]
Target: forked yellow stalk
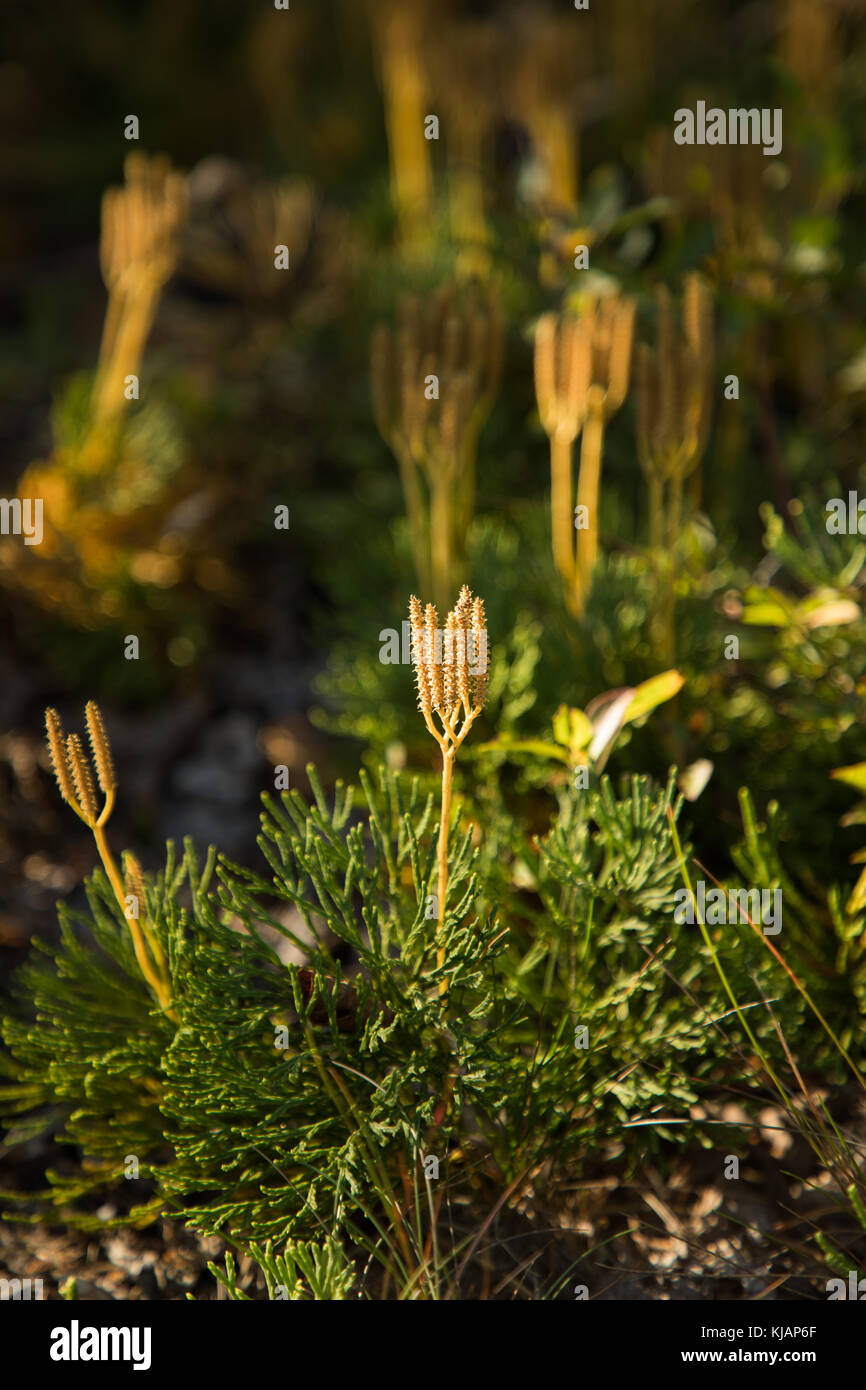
[
  {"x": 563, "y": 359},
  {"x": 75, "y": 780},
  {"x": 673, "y": 414},
  {"x": 582, "y": 368},
  {"x": 138, "y": 252},
  {"x": 434, "y": 378},
  {"x": 451, "y": 670}
]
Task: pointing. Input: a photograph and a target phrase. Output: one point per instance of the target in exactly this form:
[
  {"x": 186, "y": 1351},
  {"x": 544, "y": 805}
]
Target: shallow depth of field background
[{"x": 260, "y": 647}]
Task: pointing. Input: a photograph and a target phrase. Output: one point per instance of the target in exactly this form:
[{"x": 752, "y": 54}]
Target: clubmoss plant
[
  {"x": 433, "y": 428},
  {"x": 582, "y": 371},
  {"x": 451, "y": 672},
  {"x": 562, "y": 361},
  {"x": 75, "y": 780},
  {"x": 673, "y": 416},
  {"x": 108, "y": 468},
  {"x": 271, "y": 1111},
  {"x": 138, "y": 252},
  {"x": 673, "y": 397}
]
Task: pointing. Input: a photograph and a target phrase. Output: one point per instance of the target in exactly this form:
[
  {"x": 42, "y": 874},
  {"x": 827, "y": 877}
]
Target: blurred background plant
[
  {"x": 581, "y": 377},
  {"x": 434, "y": 379},
  {"x": 673, "y": 403}
]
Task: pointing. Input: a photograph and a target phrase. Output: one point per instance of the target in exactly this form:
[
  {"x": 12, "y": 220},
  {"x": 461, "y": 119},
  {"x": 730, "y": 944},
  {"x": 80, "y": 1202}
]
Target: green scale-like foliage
[
  {"x": 596, "y": 959},
  {"x": 263, "y": 1105},
  {"x": 260, "y": 1139},
  {"x": 295, "y": 1134}
]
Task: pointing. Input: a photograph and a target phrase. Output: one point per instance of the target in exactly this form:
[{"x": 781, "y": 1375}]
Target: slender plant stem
[
  {"x": 466, "y": 201},
  {"x": 561, "y": 520},
  {"x": 559, "y": 141},
  {"x": 675, "y": 509},
  {"x": 674, "y": 526},
  {"x": 695, "y": 490},
  {"x": 465, "y": 504},
  {"x": 415, "y": 514},
  {"x": 113, "y": 317},
  {"x": 131, "y": 333},
  {"x": 442, "y": 854},
  {"x": 656, "y": 506},
  {"x": 588, "y": 486},
  {"x": 157, "y": 985},
  {"x": 440, "y": 539}
]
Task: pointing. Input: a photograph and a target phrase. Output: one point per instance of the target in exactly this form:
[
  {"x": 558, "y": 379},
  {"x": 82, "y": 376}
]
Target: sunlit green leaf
[
  {"x": 653, "y": 692},
  {"x": 853, "y": 776}
]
